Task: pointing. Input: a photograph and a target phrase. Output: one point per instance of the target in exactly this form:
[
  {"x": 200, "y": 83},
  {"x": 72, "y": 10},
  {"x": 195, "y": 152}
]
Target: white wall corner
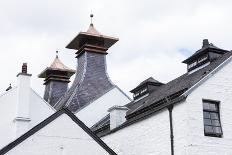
[{"x": 117, "y": 116}]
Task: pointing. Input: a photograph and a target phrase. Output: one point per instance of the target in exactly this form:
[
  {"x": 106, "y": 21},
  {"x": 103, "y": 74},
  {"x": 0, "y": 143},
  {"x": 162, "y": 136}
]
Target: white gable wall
[
  {"x": 39, "y": 109},
  {"x": 218, "y": 87},
  {"x": 96, "y": 110},
  {"x": 7, "y": 116},
  {"x": 21, "y": 109},
  {"x": 57, "y": 138},
  {"x": 148, "y": 137}
]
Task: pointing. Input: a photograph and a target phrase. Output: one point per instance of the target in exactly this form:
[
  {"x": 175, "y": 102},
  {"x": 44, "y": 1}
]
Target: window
[
  {"x": 136, "y": 94},
  {"x": 211, "y": 115},
  {"x": 192, "y": 64},
  {"x": 144, "y": 90},
  {"x": 202, "y": 59}
]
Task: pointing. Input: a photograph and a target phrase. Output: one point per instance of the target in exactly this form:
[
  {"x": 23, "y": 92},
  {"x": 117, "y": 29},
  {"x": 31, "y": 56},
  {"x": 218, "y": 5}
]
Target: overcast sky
[{"x": 155, "y": 36}]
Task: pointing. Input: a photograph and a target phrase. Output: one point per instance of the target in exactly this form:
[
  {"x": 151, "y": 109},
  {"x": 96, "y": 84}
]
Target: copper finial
[
  {"x": 57, "y": 54},
  {"x": 91, "y": 16}
]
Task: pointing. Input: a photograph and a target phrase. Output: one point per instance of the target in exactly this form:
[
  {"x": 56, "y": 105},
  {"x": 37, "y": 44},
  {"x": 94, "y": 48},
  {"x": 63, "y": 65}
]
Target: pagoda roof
[
  {"x": 150, "y": 81},
  {"x": 91, "y": 33},
  {"x": 57, "y": 65},
  {"x": 207, "y": 47}
]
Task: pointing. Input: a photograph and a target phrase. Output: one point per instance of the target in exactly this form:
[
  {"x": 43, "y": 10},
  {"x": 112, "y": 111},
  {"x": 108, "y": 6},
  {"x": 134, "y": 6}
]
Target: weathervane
[
  {"x": 57, "y": 53},
  {"x": 91, "y": 16}
]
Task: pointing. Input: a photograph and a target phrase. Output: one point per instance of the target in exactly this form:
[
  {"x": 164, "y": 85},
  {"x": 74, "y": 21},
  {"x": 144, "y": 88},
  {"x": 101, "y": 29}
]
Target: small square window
[{"x": 211, "y": 115}]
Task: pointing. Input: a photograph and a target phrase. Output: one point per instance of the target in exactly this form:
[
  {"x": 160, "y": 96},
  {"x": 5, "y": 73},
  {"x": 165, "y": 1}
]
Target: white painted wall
[
  {"x": 8, "y": 110},
  {"x": 192, "y": 139},
  {"x": 96, "y": 110},
  {"x": 21, "y": 109},
  {"x": 39, "y": 109},
  {"x": 58, "y": 138},
  {"x": 148, "y": 137},
  {"x": 152, "y": 136}
]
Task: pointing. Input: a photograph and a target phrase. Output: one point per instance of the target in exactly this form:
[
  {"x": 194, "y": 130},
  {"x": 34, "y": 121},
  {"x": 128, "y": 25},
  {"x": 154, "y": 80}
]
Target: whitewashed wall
[
  {"x": 152, "y": 136},
  {"x": 39, "y": 109},
  {"x": 148, "y": 137},
  {"x": 18, "y": 104},
  {"x": 58, "y": 138},
  {"x": 7, "y": 115},
  {"x": 191, "y": 139},
  {"x": 96, "y": 110}
]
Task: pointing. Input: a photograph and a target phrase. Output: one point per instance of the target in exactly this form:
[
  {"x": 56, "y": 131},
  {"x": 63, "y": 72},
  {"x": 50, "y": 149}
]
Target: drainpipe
[{"x": 171, "y": 129}]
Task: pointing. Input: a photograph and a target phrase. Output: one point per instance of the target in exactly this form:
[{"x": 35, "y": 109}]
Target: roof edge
[
  {"x": 38, "y": 127},
  {"x": 191, "y": 89}
]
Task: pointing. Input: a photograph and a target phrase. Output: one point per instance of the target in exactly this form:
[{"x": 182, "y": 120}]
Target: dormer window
[
  {"x": 145, "y": 88},
  {"x": 203, "y": 56},
  {"x": 192, "y": 65}
]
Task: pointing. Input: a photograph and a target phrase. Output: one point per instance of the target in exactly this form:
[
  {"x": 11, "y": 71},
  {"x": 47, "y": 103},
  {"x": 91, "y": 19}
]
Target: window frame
[{"x": 212, "y": 111}]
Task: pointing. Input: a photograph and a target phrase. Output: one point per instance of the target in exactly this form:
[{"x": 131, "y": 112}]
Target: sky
[{"x": 155, "y": 36}]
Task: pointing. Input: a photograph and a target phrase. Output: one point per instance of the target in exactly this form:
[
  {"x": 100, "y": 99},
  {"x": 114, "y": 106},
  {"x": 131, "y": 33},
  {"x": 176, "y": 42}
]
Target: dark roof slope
[
  {"x": 167, "y": 94},
  {"x": 179, "y": 84},
  {"x": 49, "y": 120}
]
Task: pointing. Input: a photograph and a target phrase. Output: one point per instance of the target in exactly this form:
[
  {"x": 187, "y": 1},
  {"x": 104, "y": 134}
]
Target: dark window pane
[
  {"x": 215, "y": 123},
  {"x": 206, "y": 114},
  {"x": 214, "y": 115},
  {"x": 207, "y": 122},
  {"x": 208, "y": 129},
  {"x": 212, "y": 126},
  {"x": 217, "y": 130},
  {"x": 212, "y": 107},
  {"x": 206, "y": 106}
]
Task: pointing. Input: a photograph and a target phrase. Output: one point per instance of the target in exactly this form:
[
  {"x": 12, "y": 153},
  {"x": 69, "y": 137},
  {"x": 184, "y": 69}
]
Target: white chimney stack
[
  {"x": 23, "y": 97},
  {"x": 117, "y": 116}
]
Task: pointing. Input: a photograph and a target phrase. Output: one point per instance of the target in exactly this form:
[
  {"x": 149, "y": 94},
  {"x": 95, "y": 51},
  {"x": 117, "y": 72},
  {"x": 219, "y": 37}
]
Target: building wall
[
  {"x": 39, "y": 109},
  {"x": 152, "y": 136},
  {"x": 218, "y": 87},
  {"x": 180, "y": 127},
  {"x": 11, "y": 129},
  {"x": 7, "y": 115},
  {"x": 148, "y": 137},
  {"x": 58, "y": 139},
  {"x": 96, "y": 110}
]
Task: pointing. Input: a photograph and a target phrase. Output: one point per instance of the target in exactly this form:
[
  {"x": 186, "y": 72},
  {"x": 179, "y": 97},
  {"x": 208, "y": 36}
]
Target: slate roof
[
  {"x": 38, "y": 127},
  {"x": 167, "y": 94},
  {"x": 180, "y": 84}
]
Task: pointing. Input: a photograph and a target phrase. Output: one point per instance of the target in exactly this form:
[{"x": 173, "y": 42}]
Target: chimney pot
[
  {"x": 117, "y": 116},
  {"x": 205, "y": 43},
  {"x": 24, "y": 68}
]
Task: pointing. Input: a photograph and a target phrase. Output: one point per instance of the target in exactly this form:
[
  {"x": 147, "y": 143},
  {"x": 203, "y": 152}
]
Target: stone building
[{"x": 189, "y": 115}]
